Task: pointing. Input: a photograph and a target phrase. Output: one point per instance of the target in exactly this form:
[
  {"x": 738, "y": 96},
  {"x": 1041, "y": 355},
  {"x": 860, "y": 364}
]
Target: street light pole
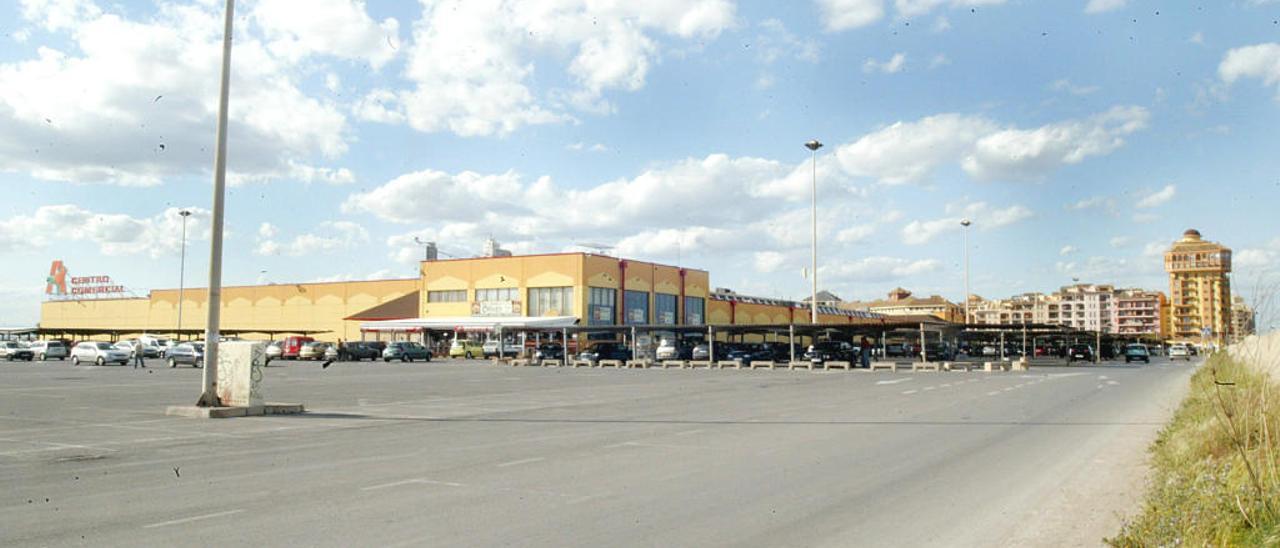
[
  {"x": 209, "y": 377},
  {"x": 182, "y": 270},
  {"x": 965, "y": 223},
  {"x": 813, "y": 147}
]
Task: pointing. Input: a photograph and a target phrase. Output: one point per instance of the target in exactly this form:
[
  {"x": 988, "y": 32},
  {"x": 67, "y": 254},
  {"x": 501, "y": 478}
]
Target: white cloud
[
  {"x": 1067, "y": 250},
  {"x": 876, "y": 269},
  {"x": 1102, "y": 6},
  {"x": 769, "y": 261},
  {"x": 775, "y": 41},
  {"x": 1260, "y": 61},
  {"x": 855, "y": 234},
  {"x": 132, "y": 102},
  {"x": 114, "y": 233},
  {"x": 1095, "y": 202},
  {"x": 1197, "y": 38},
  {"x": 328, "y": 237},
  {"x": 580, "y": 146},
  {"x": 939, "y": 60},
  {"x": 1158, "y": 198},
  {"x": 981, "y": 214},
  {"x": 1074, "y": 89},
  {"x": 339, "y": 28},
  {"x": 891, "y": 65},
  {"x": 941, "y": 24},
  {"x": 1016, "y": 154},
  {"x": 915, "y": 8},
  {"x": 471, "y": 63},
  {"x": 911, "y": 151},
  {"x": 838, "y": 15},
  {"x": 1120, "y": 241}
]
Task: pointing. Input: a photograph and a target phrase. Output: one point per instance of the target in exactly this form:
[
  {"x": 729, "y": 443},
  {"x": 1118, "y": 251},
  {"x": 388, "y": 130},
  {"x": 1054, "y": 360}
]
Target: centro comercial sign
[{"x": 59, "y": 284}]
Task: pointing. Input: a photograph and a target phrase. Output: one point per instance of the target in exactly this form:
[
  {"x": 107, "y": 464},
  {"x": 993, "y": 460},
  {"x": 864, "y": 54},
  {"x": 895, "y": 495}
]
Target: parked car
[
  {"x": 330, "y": 352},
  {"x": 701, "y": 352},
  {"x": 187, "y": 353},
  {"x": 1136, "y": 352},
  {"x": 1080, "y": 352},
  {"x": 273, "y": 351},
  {"x": 290, "y": 347},
  {"x": 549, "y": 351},
  {"x": 939, "y": 352},
  {"x": 406, "y": 351},
  {"x": 747, "y": 353},
  {"x": 605, "y": 351},
  {"x": 490, "y": 349},
  {"x": 97, "y": 352},
  {"x": 312, "y": 350},
  {"x": 782, "y": 352},
  {"x": 464, "y": 348},
  {"x": 361, "y": 350},
  {"x": 895, "y": 350},
  {"x": 988, "y": 350},
  {"x": 47, "y": 350},
  {"x": 14, "y": 350},
  {"x": 832, "y": 351},
  {"x": 1179, "y": 352},
  {"x": 670, "y": 349},
  {"x": 148, "y": 350}
]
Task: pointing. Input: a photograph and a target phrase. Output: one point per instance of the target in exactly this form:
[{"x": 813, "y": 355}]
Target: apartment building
[{"x": 1199, "y": 289}]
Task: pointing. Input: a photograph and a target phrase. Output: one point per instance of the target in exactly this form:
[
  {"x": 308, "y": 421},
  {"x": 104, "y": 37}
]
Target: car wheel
[
  {"x": 42, "y": 357},
  {"x": 387, "y": 360},
  {"x": 468, "y": 355},
  {"x": 405, "y": 359},
  {"x": 101, "y": 362},
  {"x": 75, "y": 360},
  {"x": 173, "y": 363}
]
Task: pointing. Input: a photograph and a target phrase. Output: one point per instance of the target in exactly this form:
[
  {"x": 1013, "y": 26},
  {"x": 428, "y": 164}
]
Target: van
[
  {"x": 463, "y": 348},
  {"x": 291, "y": 346},
  {"x": 47, "y": 350}
]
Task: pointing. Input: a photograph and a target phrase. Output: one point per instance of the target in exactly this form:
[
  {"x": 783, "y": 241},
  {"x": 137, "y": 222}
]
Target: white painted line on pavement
[
  {"x": 521, "y": 461},
  {"x": 909, "y": 392},
  {"x": 928, "y": 388},
  {"x": 193, "y": 518},
  {"x": 993, "y": 393},
  {"x": 690, "y": 432},
  {"x": 392, "y": 484},
  {"x": 894, "y": 381}
]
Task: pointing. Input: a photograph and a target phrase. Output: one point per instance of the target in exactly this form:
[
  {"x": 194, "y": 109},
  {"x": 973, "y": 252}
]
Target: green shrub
[{"x": 1215, "y": 478}]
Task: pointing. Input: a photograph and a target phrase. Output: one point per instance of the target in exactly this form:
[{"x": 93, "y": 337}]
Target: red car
[{"x": 289, "y": 346}]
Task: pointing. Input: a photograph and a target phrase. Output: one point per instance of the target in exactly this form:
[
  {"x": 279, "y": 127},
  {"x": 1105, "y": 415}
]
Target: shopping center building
[{"x": 553, "y": 290}]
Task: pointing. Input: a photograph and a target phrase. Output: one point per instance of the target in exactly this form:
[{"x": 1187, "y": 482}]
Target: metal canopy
[{"x": 471, "y": 323}]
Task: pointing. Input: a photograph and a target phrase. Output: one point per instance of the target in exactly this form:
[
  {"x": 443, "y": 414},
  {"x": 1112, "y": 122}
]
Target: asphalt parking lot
[{"x": 453, "y": 453}]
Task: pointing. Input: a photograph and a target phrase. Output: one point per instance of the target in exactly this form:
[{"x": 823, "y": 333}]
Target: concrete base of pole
[{"x": 197, "y": 412}]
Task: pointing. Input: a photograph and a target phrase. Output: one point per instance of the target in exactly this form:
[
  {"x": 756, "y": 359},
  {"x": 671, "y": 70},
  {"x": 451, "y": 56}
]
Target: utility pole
[{"x": 209, "y": 396}]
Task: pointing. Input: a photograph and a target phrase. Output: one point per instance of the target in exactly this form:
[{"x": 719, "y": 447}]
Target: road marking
[
  {"x": 993, "y": 393},
  {"x": 192, "y": 518},
  {"x": 909, "y": 392},
  {"x": 894, "y": 381},
  {"x": 1008, "y": 388},
  {"x": 521, "y": 461},
  {"x": 928, "y": 388},
  {"x": 689, "y": 432},
  {"x": 945, "y": 385},
  {"x": 411, "y": 481}
]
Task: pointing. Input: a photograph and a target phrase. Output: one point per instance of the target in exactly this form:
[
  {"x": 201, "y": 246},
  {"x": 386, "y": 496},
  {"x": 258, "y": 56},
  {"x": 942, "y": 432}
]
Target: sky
[{"x": 1080, "y": 137}]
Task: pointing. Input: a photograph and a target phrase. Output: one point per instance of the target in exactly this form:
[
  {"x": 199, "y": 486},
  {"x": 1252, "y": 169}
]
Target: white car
[
  {"x": 100, "y": 353},
  {"x": 1179, "y": 351},
  {"x": 48, "y": 350}
]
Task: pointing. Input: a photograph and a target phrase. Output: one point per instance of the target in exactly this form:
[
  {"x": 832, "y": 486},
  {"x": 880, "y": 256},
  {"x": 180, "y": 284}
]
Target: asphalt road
[{"x": 465, "y": 454}]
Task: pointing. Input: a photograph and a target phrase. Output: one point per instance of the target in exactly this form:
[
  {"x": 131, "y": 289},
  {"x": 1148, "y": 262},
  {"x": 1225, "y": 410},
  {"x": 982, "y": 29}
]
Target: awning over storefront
[{"x": 470, "y": 323}]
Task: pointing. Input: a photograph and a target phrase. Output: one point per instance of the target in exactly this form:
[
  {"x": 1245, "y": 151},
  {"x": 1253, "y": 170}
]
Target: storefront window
[
  {"x": 664, "y": 308},
  {"x": 636, "y": 307},
  {"x": 601, "y": 305},
  {"x": 550, "y": 301},
  {"x": 454, "y": 296},
  {"x": 498, "y": 294},
  {"x": 693, "y": 310}
]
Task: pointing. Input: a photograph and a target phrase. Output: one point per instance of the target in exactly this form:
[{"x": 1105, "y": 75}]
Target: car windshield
[{"x": 103, "y": 346}]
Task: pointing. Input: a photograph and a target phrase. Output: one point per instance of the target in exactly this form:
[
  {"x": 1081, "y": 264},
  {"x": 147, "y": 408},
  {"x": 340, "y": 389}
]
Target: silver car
[
  {"x": 48, "y": 350},
  {"x": 100, "y": 353}
]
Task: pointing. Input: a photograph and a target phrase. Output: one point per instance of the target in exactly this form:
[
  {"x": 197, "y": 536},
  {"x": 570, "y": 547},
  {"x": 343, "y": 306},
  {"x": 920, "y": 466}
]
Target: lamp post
[
  {"x": 965, "y": 223},
  {"x": 209, "y": 377},
  {"x": 813, "y": 147},
  {"x": 426, "y": 248},
  {"x": 182, "y": 270}
]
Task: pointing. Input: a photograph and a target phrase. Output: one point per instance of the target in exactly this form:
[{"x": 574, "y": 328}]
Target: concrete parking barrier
[
  {"x": 892, "y": 366},
  {"x": 694, "y": 364},
  {"x": 1021, "y": 364},
  {"x": 551, "y": 363},
  {"x": 518, "y": 362},
  {"x": 578, "y": 363},
  {"x": 994, "y": 366},
  {"x": 729, "y": 363},
  {"x": 673, "y": 363},
  {"x": 637, "y": 364},
  {"x": 761, "y": 363},
  {"x": 836, "y": 365},
  {"x": 611, "y": 363},
  {"x": 926, "y": 366},
  {"x": 805, "y": 364},
  {"x": 956, "y": 366}
]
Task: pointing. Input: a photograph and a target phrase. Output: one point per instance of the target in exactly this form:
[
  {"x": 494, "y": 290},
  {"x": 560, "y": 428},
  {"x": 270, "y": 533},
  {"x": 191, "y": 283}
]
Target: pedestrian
[
  {"x": 866, "y": 352},
  {"x": 342, "y": 351},
  {"x": 137, "y": 355}
]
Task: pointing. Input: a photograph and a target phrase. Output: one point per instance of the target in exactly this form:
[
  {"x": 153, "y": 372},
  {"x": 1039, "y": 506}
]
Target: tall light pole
[
  {"x": 182, "y": 270},
  {"x": 813, "y": 147},
  {"x": 209, "y": 377},
  {"x": 965, "y": 223}
]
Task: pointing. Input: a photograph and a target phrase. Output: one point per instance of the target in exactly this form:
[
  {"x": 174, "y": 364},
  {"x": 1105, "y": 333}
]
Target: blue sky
[{"x": 1080, "y": 137}]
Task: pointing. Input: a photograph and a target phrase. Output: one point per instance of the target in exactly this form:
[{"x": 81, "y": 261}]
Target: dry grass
[{"x": 1216, "y": 481}]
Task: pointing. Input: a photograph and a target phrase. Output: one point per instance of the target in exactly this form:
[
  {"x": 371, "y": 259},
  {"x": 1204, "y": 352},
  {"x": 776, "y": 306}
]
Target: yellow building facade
[{"x": 1199, "y": 290}]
